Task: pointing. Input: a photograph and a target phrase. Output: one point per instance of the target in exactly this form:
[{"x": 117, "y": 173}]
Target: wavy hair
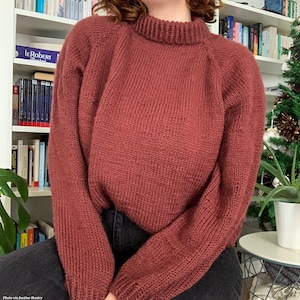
[{"x": 130, "y": 10}]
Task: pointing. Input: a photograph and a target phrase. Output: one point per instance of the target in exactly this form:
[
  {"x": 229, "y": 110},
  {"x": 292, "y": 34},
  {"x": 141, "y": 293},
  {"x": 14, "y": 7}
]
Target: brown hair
[{"x": 130, "y": 10}]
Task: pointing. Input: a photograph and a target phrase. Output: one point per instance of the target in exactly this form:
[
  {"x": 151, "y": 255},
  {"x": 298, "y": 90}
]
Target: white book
[
  {"x": 19, "y": 4},
  {"x": 19, "y": 157},
  {"x": 42, "y": 164},
  {"x": 36, "y": 160},
  {"x": 30, "y": 164},
  {"x": 24, "y": 165},
  {"x": 46, "y": 46},
  {"x": 46, "y": 228}
]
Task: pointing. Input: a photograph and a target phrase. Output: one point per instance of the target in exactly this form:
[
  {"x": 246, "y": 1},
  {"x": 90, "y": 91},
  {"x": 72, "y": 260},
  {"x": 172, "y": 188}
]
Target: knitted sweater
[{"x": 164, "y": 120}]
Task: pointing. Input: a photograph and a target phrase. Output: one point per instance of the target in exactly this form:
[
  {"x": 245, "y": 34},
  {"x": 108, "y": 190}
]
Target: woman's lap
[
  {"x": 36, "y": 271},
  {"x": 33, "y": 271}
]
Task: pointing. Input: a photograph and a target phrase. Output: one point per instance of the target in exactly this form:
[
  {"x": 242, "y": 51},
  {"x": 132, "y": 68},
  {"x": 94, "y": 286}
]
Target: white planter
[{"x": 287, "y": 216}]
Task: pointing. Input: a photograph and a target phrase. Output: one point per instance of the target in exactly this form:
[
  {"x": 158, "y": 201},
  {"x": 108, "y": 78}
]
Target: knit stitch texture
[{"x": 165, "y": 121}]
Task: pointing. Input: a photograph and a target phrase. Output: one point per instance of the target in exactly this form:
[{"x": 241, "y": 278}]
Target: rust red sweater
[{"x": 164, "y": 120}]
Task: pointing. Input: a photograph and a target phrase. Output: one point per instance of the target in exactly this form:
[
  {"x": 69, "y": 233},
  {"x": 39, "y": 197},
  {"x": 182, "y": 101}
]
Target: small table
[{"x": 260, "y": 247}]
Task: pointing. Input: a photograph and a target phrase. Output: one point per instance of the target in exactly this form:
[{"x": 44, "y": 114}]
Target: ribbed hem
[
  {"x": 84, "y": 292},
  {"x": 122, "y": 290},
  {"x": 170, "y": 32}
]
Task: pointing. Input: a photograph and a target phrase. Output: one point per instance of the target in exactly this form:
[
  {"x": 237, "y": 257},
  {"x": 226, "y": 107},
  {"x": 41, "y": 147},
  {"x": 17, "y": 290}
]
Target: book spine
[
  {"x": 14, "y": 158},
  {"x": 36, "y": 161},
  {"x": 40, "y": 6},
  {"x": 42, "y": 164},
  {"x": 48, "y": 96},
  {"x": 230, "y": 27},
  {"x": 30, "y": 164},
  {"x": 20, "y": 157},
  {"x": 25, "y": 160},
  {"x": 34, "y": 98},
  {"x": 30, "y": 236},
  {"x": 21, "y": 102},
  {"x": 25, "y": 100},
  {"x": 42, "y": 103},
  {"x": 29, "y": 103},
  {"x": 246, "y": 36},
  {"x": 37, "y": 54},
  {"x": 23, "y": 240},
  {"x": 259, "y": 35},
  {"x": 15, "y": 104}
]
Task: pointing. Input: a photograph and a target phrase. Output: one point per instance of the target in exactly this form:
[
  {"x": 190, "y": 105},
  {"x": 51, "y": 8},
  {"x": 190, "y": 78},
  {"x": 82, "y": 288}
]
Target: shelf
[
  {"x": 33, "y": 23},
  {"x": 30, "y": 129},
  {"x": 249, "y": 15},
  {"x": 269, "y": 65},
  {"x": 271, "y": 94},
  {"x": 28, "y": 67},
  {"x": 36, "y": 192}
]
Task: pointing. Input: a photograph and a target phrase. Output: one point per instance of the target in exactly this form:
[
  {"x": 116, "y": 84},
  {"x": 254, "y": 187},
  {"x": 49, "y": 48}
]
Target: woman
[{"x": 155, "y": 143}]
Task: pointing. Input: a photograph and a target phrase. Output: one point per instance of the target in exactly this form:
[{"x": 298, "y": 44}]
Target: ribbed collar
[{"x": 169, "y": 32}]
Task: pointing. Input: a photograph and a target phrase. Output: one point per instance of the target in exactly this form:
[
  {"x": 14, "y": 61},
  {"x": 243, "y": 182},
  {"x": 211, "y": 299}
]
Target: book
[
  {"x": 24, "y": 165},
  {"x": 43, "y": 76},
  {"x": 36, "y": 159},
  {"x": 46, "y": 228},
  {"x": 274, "y": 6},
  {"x": 23, "y": 239},
  {"x": 14, "y": 157},
  {"x": 272, "y": 43},
  {"x": 35, "y": 231},
  {"x": 246, "y": 36},
  {"x": 40, "y": 6},
  {"x": 21, "y": 84},
  {"x": 30, "y": 164},
  {"x": 230, "y": 27},
  {"x": 43, "y": 55},
  {"x": 30, "y": 235},
  {"x": 15, "y": 105},
  {"x": 19, "y": 156},
  {"x": 42, "y": 164}
]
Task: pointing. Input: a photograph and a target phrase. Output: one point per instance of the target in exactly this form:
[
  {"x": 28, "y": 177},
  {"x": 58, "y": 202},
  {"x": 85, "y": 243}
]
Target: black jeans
[{"x": 36, "y": 270}]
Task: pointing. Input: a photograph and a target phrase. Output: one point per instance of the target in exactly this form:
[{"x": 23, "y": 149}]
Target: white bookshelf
[
  {"x": 246, "y": 14},
  {"x": 15, "y": 23}
]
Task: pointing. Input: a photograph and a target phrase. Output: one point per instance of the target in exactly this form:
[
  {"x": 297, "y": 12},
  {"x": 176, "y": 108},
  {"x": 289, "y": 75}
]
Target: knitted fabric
[{"x": 164, "y": 120}]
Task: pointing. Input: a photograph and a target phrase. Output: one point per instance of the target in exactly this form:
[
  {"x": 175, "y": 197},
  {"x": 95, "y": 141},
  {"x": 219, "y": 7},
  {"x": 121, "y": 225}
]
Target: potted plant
[
  {"x": 8, "y": 228},
  {"x": 286, "y": 198}
]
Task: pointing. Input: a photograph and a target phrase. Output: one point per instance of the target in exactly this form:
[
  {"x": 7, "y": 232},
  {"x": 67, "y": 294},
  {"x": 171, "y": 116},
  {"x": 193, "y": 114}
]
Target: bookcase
[
  {"x": 23, "y": 22},
  {"x": 15, "y": 21}
]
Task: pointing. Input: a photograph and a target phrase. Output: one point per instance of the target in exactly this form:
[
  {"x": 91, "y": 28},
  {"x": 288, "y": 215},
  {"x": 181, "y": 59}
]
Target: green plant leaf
[
  {"x": 5, "y": 244},
  {"x": 9, "y": 228},
  {"x": 264, "y": 188},
  {"x": 24, "y": 218},
  {"x": 7, "y": 175},
  {"x": 2, "y": 252},
  {"x": 294, "y": 166},
  {"x": 276, "y": 172},
  {"x": 276, "y": 195}
]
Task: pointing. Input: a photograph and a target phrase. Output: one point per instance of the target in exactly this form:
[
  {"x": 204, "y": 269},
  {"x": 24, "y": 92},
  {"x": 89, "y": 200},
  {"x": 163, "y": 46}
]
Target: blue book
[
  {"x": 30, "y": 53},
  {"x": 18, "y": 241},
  {"x": 42, "y": 236},
  {"x": 230, "y": 27},
  {"x": 40, "y": 6},
  {"x": 274, "y": 6}
]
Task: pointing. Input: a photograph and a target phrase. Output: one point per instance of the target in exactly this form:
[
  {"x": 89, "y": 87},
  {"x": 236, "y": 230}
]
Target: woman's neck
[{"x": 176, "y": 10}]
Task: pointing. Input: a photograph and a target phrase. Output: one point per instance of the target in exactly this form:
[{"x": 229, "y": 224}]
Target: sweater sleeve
[
  {"x": 81, "y": 240},
  {"x": 177, "y": 257}
]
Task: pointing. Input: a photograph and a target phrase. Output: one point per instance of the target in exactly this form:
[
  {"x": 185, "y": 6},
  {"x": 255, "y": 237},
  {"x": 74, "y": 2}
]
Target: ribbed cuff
[
  {"x": 123, "y": 289},
  {"x": 85, "y": 292}
]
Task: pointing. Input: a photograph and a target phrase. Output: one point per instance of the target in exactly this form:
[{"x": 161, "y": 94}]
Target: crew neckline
[{"x": 171, "y": 32}]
